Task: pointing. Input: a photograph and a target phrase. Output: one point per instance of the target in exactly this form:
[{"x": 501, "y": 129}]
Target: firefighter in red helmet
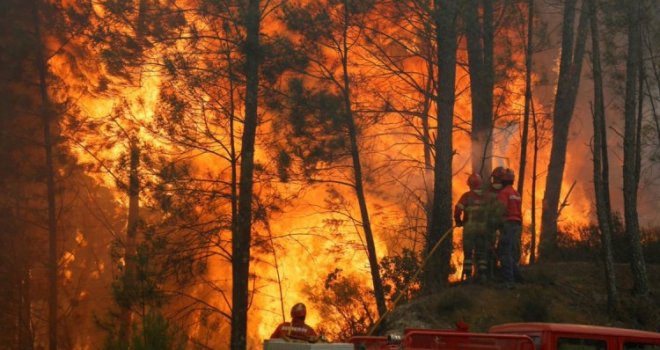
[
  {"x": 296, "y": 330},
  {"x": 509, "y": 242},
  {"x": 469, "y": 213},
  {"x": 496, "y": 178},
  {"x": 494, "y": 213}
]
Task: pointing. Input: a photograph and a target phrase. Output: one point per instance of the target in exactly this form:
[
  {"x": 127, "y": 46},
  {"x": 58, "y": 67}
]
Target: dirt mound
[{"x": 557, "y": 292}]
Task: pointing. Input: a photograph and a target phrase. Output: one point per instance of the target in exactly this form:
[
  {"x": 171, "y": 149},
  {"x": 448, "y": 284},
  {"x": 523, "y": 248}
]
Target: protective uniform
[
  {"x": 296, "y": 330},
  {"x": 493, "y": 212},
  {"x": 509, "y": 243},
  {"x": 469, "y": 212}
]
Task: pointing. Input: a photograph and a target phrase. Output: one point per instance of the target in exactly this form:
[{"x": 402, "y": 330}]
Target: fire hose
[{"x": 414, "y": 277}]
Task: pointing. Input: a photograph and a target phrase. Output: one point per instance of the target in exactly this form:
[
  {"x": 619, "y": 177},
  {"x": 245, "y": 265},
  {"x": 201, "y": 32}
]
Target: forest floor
[{"x": 572, "y": 292}]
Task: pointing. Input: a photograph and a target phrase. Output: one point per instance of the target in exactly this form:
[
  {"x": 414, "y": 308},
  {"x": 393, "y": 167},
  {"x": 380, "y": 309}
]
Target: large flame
[{"x": 308, "y": 242}]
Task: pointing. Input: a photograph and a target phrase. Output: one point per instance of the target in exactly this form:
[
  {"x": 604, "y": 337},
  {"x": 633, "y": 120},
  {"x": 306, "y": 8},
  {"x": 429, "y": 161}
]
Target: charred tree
[
  {"x": 535, "y": 158},
  {"x": 480, "y": 58},
  {"x": 46, "y": 111},
  {"x": 357, "y": 167},
  {"x": 25, "y": 333},
  {"x": 130, "y": 278},
  {"x": 130, "y": 245},
  {"x": 331, "y": 55},
  {"x": 528, "y": 98},
  {"x": 631, "y": 146},
  {"x": 241, "y": 237},
  {"x": 603, "y": 208},
  {"x": 438, "y": 268},
  {"x": 656, "y": 77},
  {"x": 17, "y": 259},
  {"x": 570, "y": 68}
]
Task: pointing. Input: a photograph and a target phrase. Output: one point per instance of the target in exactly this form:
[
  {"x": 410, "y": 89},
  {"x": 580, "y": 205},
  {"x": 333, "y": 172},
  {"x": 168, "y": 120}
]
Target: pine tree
[
  {"x": 437, "y": 271},
  {"x": 333, "y": 29},
  {"x": 570, "y": 69},
  {"x": 601, "y": 166}
]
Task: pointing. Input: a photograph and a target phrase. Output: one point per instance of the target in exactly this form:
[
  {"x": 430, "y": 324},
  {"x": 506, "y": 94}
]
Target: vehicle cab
[{"x": 561, "y": 336}]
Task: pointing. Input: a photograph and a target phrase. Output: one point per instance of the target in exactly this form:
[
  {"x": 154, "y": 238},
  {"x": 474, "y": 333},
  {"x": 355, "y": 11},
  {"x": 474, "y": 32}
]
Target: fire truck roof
[{"x": 571, "y": 329}]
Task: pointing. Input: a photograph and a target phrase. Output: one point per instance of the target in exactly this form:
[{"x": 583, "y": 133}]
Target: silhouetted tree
[
  {"x": 601, "y": 166},
  {"x": 241, "y": 237},
  {"x": 528, "y": 97},
  {"x": 334, "y": 24},
  {"x": 631, "y": 144},
  {"x": 438, "y": 269},
  {"x": 479, "y": 36},
  {"x": 570, "y": 70}
]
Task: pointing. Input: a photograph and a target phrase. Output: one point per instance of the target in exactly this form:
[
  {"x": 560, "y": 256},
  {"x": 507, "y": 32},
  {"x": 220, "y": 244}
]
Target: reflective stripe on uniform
[{"x": 294, "y": 329}]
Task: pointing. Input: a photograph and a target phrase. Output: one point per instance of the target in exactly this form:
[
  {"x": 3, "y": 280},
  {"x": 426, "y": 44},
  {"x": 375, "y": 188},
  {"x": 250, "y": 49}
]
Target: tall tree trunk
[
  {"x": 535, "y": 158},
  {"x": 241, "y": 238},
  {"x": 232, "y": 145},
  {"x": 426, "y": 129},
  {"x": 46, "y": 114},
  {"x": 656, "y": 117},
  {"x": 25, "y": 335},
  {"x": 570, "y": 68},
  {"x": 438, "y": 268},
  {"x": 480, "y": 59},
  {"x": 426, "y": 132},
  {"x": 357, "y": 170},
  {"x": 603, "y": 210},
  {"x": 631, "y": 149},
  {"x": 130, "y": 254},
  {"x": 133, "y": 219},
  {"x": 528, "y": 98}
]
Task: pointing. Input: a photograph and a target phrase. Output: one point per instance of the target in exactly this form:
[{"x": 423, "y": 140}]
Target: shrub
[
  {"x": 643, "y": 312},
  {"x": 583, "y": 242},
  {"x": 533, "y": 305},
  {"x": 397, "y": 272},
  {"x": 452, "y": 301}
]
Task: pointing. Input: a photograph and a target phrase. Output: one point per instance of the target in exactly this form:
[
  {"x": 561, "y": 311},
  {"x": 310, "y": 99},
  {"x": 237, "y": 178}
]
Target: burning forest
[{"x": 178, "y": 174}]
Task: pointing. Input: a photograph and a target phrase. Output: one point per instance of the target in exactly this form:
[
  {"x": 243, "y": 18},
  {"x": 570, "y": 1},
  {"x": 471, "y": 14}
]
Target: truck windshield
[
  {"x": 581, "y": 344},
  {"x": 640, "y": 346}
]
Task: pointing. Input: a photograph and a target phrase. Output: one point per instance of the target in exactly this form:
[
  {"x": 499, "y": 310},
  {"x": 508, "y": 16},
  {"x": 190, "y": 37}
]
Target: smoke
[{"x": 502, "y": 145}]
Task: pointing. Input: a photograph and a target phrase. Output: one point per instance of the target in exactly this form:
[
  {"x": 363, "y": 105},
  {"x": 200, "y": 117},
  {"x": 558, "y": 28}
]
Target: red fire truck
[{"x": 516, "y": 336}]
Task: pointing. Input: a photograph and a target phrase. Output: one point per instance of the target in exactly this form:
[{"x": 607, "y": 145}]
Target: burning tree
[{"x": 281, "y": 140}]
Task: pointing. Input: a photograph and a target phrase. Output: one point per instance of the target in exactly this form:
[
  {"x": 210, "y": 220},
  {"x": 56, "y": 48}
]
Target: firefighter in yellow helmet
[{"x": 296, "y": 330}]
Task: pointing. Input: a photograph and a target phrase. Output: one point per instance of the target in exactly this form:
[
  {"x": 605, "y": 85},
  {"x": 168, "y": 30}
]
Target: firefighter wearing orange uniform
[
  {"x": 509, "y": 242},
  {"x": 470, "y": 214},
  {"x": 296, "y": 330}
]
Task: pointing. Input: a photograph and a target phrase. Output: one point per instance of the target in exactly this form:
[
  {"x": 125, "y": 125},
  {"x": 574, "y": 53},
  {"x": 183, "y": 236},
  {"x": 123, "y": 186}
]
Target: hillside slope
[{"x": 557, "y": 292}]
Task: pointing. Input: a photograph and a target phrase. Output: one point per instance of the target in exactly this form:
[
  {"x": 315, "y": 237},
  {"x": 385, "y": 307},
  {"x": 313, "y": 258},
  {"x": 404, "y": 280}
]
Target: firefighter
[
  {"x": 496, "y": 179},
  {"x": 469, "y": 213},
  {"x": 494, "y": 213},
  {"x": 511, "y": 229},
  {"x": 296, "y": 330}
]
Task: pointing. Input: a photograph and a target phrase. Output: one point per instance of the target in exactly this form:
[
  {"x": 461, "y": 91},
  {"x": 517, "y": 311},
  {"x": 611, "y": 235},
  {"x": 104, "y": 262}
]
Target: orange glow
[{"x": 309, "y": 241}]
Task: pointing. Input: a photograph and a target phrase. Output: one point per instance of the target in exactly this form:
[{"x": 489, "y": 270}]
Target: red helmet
[
  {"x": 299, "y": 311},
  {"x": 474, "y": 181},
  {"x": 498, "y": 174},
  {"x": 509, "y": 175}
]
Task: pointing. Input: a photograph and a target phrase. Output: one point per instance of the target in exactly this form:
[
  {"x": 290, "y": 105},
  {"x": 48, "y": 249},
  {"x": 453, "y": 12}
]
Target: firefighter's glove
[{"x": 459, "y": 223}]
